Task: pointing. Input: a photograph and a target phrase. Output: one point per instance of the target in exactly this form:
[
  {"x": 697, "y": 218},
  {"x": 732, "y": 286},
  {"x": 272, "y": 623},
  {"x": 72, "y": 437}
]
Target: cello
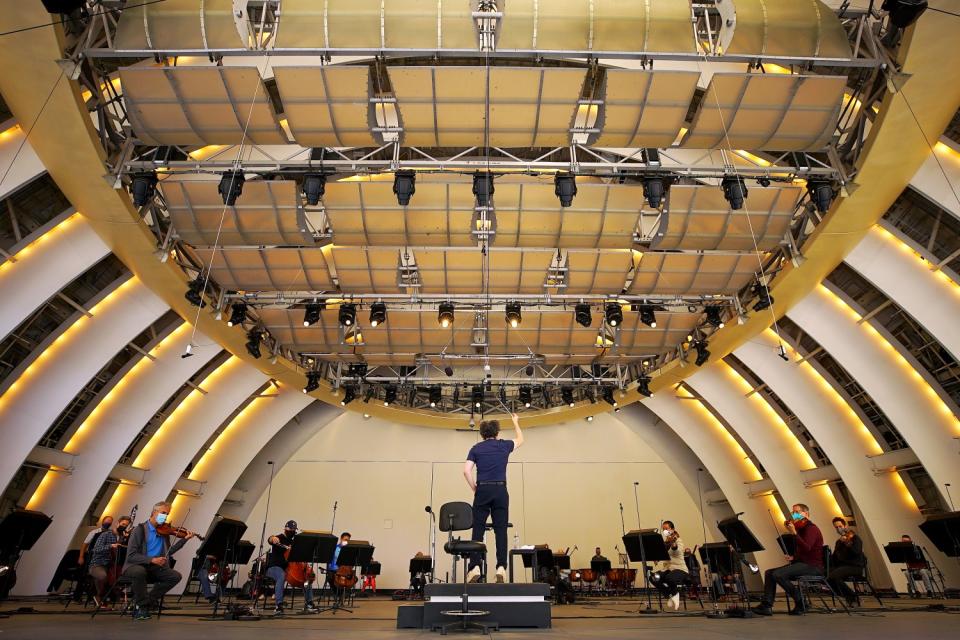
[{"x": 298, "y": 574}]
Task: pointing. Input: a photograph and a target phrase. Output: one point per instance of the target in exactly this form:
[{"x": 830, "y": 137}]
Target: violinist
[
  {"x": 148, "y": 558},
  {"x": 104, "y": 556},
  {"x": 806, "y": 561},
  {"x": 847, "y": 561},
  {"x": 277, "y": 567},
  {"x": 670, "y": 574}
]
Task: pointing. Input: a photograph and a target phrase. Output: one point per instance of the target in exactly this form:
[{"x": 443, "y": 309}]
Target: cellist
[{"x": 277, "y": 567}]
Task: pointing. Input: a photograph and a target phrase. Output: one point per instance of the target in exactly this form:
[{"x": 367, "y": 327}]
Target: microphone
[
  {"x": 739, "y": 514},
  {"x": 428, "y": 509}
]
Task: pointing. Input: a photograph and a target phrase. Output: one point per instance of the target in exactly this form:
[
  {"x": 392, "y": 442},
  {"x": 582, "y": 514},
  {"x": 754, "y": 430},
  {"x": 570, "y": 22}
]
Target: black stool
[{"x": 458, "y": 516}]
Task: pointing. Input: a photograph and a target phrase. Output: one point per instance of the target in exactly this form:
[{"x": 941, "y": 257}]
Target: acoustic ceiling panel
[
  {"x": 597, "y": 272},
  {"x": 463, "y": 271},
  {"x": 771, "y": 28},
  {"x": 174, "y": 25},
  {"x": 645, "y": 108},
  {"x": 275, "y": 269},
  {"x": 693, "y": 274}
]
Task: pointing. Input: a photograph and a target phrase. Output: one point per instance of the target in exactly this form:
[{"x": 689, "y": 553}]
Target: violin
[
  {"x": 166, "y": 529},
  {"x": 847, "y": 537},
  {"x": 217, "y": 575},
  {"x": 672, "y": 538}
]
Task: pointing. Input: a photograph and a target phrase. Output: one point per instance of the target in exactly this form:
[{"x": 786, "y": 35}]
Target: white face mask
[{"x": 666, "y": 533}]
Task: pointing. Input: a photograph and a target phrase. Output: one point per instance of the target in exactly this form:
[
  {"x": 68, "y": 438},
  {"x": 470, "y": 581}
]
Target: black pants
[
  {"x": 670, "y": 581},
  {"x": 163, "y": 579},
  {"x": 782, "y": 576},
  {"x": 837, "y": 576},
  {"x": 491, "y": 499}
]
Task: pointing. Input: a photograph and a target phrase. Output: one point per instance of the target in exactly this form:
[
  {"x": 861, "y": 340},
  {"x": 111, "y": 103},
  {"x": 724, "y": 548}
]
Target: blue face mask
[
  {"x": 161, "y": 518},
  {"x": 796, "y": 516}
]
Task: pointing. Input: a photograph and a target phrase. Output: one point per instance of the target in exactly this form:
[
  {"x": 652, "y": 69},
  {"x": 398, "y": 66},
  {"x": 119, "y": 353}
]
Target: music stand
[
  {"x": 540, "y": 559},
  {"x": 645, "y": 545},
  {"x": 19, "y": 531},
  {"x": 354, "y": 554},
  {"x": 943, "y": 530},
  {"x": 902, "y": 552},
  {"x": 419, "y": 566},
  {"x": 736, "y": 532},
  {"x": 561, "y": 562}
]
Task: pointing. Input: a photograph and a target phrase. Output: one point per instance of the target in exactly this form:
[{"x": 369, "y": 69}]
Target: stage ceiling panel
[
  {"x": 178, "y": 25},
  {"x": 645, "y": 108},
  {"x": 773, "y": 28},
  {"x": 693, "y": 274}
]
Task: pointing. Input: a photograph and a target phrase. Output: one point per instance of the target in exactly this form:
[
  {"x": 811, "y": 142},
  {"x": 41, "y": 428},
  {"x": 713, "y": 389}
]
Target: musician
[
  {"x": 597, "y": 556},
  {"x": 104, "y": 555},
  {"x": 693, "y": 565},
  {"x": 83, "y": 560},
  {"x": 918, "y": 570},
  {"x": 847, "y": 561},
  {"x": 418, "y": 579},
  {"x": 670, "y": 574},
  {"x": 148, "y": 558},
  {"x": 344, "y": 541},
  {"x": 209, "y": 591},
  {"x": 277, "y": 567},
  {"x": 806, "y": 561},
  {"x": 489, "y": 457}
]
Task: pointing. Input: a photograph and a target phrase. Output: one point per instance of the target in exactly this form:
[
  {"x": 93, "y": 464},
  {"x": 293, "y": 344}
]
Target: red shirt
[{"x": 809, "y": 545}]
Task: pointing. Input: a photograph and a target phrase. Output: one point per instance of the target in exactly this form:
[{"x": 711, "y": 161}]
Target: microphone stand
[
  {"x": 636, "y": 501},
  {"x": 623, "y": 528},
  {"x": 258, "y": 580},
  {"x": 333, "y": 521},
  {"x": 643, "y": 556},
  {"x": 716, "y": 614},
  {"x": 432, "y": 543}
]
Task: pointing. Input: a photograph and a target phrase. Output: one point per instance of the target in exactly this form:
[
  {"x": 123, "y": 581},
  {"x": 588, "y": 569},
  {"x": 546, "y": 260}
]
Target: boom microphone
[{"x": 428, "y": 509}]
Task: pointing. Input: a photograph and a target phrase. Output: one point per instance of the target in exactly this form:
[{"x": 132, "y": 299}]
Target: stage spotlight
[
  {"x": 231, "y": 186},
  {"x": 448, "y": 370},
  {"x": 567, "y": 394},
  {"x": 194, "y": 294},
  {"x": 582, "y": 314},
  {"x": 764, "y": 299},
  {"x": 565, "y": 188},
  {"x": 404, "y": 186},
  {"x": 702, "y": 353},
  {"x": 648, "y": 316},
  {"x": 513, "y": 314},
  {"x": 763, "y": 182},
  {"x": 821, "y": 194},
  {"x": 643, "y": 386},
  {"x": 715, "y": 316},
  {"x": 589, "y": 418},
  {"x": 349, "y": 395},
  {"x": 530, "y": 369},
  {"x": 735, "y": 192},
  {"x": 525, "y": 396},
  {"x": 477, "y": 396},
  {"x": 254, "y": 336},
  {"x": 311, "y": 313},
  {"x": 378, "y": 314},
  {"x": 614, "y": 314},
  {"x": 348, "y": 314},
  {"x": 904, "y": 13},
  {"x": 483, "y": 188},
  {"x": 445, "y": 314},
  {"x": 238, "y": 313},
  {"x": 313, "y": 381},
  {"x": 314, "y": 186},
  {"x": 608, "y": 396},
  {"x": 653, "y": 189},
  {"x": 389, "y": 395},
  {"x": 436, "y": 395},
  {"x": 143, "y": 187}
]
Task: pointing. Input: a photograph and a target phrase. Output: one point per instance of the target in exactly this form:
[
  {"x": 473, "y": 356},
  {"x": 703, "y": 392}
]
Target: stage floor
[{"x": 376, "y": 619}]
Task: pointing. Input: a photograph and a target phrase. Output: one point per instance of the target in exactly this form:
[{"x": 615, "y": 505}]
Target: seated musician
[
  {"x": 597, "y": 556},
  {"x": 806, "y": 561},
  {"x": 148, "y": 559},
  {"x": 693, "y": 566},
  {"x": 847, "y": 561},
  {"x": 210, "y": 591},
  {"x": 332, "y": 566},
  {"x": 670, "y": 574},
  {"x": 277, "y": 567},
  {"x": 919, "y": 570},
  {"x": 104, "y": 556},
  {"x": 418, "y": 579}
]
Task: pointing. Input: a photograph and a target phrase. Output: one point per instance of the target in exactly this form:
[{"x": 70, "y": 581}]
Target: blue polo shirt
[
  {"x": 491, "y": 457},
  {"x": 154, "y": 541}
]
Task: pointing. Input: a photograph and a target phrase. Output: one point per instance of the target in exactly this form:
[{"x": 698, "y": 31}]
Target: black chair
[
  {"x": 817, "y": 584},
  {"x": 122, "y": 588},
  {"x": 862, "y": 584},
  {"x": 458, "y": 516}
]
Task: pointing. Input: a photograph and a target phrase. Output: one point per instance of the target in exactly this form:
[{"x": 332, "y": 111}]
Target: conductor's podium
[{"x": 509, "y": 605}]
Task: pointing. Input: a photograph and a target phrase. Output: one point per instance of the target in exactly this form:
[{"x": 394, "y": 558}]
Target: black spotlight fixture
[
  {"x": 378, "y": 314},
  {"x": 476, "y": 396},
  {"x": 311, "y": 313},
  {"x": 735, "y": 192},
  {"x": 764, "y": 299},
  {"x": 436, "y": 395},
  {"x": 648, "y": 315},
  {"x": 582, "y": 314},
  {"x": 763, "y": 181},
  {"x": 445, "y": 314},
  {"x": 348, "y": 314},
  {"x": 254, "y": 336},
  {"x": 525, "y": 395},
  {"x": 314, "y": 186},
  {"x": 653, "y": 190},
  {"x": 513, "y": 314},
  {"x": 448, "y": 370},
  {"x": 389, "y": 395},
  {"x": 143, "y": 187},
  {"x": 404, "y": 186},
  {"x": 530, "y": 369},
  {"x": 821, "y": 194},
  {"x": 483, "y": 188},
  {"x": 714, "y": 316},
  {"x": 608, "y": 396},
  {"x": 565, "y": 188},
  {"x": 358, "y": 369},
  {"x": 904, "y": 13},
  {"x": 614, "y": 314},
  {"x": 702, "y": 353},
  {"x": 194, "y": 294},
  {"x": 643, "y": 386},
  {"x": 238, "y": 313},
  {"x": 313, "y": 381},
  {"x": 231, "y": 186},
  {"x": 566, "y": 394},
  {"x": 349, "y": 395}
]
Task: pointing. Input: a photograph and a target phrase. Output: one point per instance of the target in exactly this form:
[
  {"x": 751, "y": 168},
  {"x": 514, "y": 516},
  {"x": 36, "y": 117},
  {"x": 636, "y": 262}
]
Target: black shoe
[
  {"x": 310, "y": 607},
  {"x": 278, "y": 611},
  {"x": 796, "y": 611},
  {"x": 851, "y": 602},
  {"x": 141, "y": 613},
  {"x": 762, "y": 610}
]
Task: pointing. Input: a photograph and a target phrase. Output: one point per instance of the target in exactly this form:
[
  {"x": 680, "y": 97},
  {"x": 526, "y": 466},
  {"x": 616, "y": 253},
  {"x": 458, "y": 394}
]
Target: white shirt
[
  {"x": 90, "y": 535},
  {"x": 676, "y": 561}
]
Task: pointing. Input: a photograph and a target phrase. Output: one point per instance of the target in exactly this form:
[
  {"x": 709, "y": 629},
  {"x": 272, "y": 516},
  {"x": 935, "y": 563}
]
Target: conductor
[{"x": 489, "y": 457}]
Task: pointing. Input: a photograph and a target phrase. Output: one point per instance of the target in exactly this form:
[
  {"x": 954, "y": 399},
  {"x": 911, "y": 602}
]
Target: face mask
[
  {"x": 121, "y": 528},
  {"x": 841, "y": 530},
  {"x": 161, "y": 518},
  {"x": 666, "y": 533},
  {"x": 796, "y": 516},
  {"x": 106, "y": 526}
]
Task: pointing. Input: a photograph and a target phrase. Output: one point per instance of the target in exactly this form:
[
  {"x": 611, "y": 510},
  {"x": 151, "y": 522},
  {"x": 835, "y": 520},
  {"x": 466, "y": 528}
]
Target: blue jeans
[{"x": 278, "y": 574}]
